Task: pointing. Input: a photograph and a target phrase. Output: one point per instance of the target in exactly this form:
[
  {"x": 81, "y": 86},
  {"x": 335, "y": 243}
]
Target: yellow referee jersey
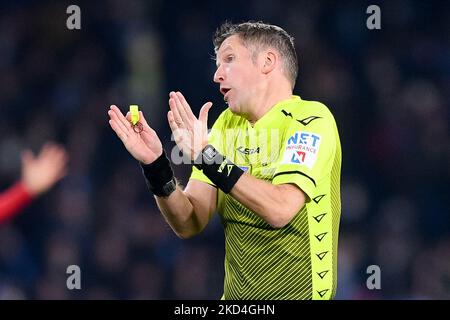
[{"x": 295, "y": 142}]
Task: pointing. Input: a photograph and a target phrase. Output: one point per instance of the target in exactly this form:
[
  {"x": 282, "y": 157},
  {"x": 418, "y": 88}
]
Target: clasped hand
[{"x": 190, "y": 133}]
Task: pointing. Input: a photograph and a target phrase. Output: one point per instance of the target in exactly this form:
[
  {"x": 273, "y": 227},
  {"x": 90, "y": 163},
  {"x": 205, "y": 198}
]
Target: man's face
[{"x": 237, "y": 74}]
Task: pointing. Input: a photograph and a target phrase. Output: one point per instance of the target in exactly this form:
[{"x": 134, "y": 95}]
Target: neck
[{"x": 266, "y": 100}]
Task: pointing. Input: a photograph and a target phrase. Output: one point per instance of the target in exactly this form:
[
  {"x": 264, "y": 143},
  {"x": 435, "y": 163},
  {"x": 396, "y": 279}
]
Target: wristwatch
[
  {"x": 209, "y": 153},
  {"x": 168, "y": 188}
]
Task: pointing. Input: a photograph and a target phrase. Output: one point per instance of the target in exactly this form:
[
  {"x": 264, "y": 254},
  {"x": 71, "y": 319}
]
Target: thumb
[
  {"x": 27, "y": 157},
  {"x": 203, "y": 115},
  {"x": 142, "y": 119}
]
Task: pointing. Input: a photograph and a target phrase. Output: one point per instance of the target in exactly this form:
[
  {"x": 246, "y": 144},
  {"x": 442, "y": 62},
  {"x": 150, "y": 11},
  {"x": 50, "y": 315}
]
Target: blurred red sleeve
[{"x": 13, "y": 200}]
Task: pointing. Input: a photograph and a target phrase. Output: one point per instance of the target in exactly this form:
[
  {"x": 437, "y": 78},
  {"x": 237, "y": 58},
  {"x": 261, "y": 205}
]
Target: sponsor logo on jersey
[
  {"x": 302, "y": 148},
  {"x": 248, "y": 150}
]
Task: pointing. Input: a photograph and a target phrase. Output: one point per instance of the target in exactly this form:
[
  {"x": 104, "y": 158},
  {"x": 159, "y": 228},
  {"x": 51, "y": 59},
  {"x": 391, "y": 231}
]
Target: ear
[{"x": 270, "y": 61}]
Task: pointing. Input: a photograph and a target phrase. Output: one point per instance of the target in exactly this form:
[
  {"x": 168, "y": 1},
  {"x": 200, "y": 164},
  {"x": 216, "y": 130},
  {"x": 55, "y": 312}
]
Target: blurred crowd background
[{"x": 389, "y": 90}]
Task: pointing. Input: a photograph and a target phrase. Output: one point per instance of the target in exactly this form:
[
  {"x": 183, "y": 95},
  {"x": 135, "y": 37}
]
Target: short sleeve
[{"x": 307, "y": 153}]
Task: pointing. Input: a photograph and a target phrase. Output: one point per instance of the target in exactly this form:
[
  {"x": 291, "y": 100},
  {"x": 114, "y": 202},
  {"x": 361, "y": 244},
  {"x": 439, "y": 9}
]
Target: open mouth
[{"x": 224, "y": 90}]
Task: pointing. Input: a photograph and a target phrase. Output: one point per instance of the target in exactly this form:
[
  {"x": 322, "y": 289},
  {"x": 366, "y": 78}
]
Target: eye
[{"x": 229, "y": 58}]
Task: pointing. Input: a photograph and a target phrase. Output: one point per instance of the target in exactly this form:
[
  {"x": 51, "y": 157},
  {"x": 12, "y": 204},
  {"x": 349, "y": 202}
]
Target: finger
[
  {"x": 203, "y": 115},
  {"x": 62, "y": 167},
  {"x": 176, "y": 130},
  {"x": 119, "y": 127},
  {"x": 143, "y": 121},
  {"x": 178, "y": 110},
  {"x": 49, "y": 149},
  {"x": 46, "y": 151},
  {"x": 115, "y": 113},
  {"x": 184, "y": 117},
  {"x": 59, "y": 154},
  {"x": 118, "y": 124},
  {"x": 59, "y": 171},
  {"x": 59, "y": 163},
  {"x": 187, "y": 109},
  {"x": 175, "y": 113},
  {"x": 147, "y": 134},
  {"x": 27, "y": 157},
  {"x": 119, "y": 132},
  {"x": 172, "y": 123},
  {"x": 121, "y": 117}
]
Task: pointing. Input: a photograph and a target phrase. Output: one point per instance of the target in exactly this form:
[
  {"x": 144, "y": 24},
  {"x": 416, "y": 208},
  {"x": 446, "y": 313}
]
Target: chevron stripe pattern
[{"x": 262, "y": 262}]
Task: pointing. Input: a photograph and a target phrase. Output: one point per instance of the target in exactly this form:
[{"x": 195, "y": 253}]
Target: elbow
[
  {"x": 278, "y": 219},
  {"x": 277, "y": 225},
  {"x": 186, "y": 227},
  {"x": 185, "y": 234},
  {"x": 288, "y": 204},
  {"x": 278, "y": 222}
]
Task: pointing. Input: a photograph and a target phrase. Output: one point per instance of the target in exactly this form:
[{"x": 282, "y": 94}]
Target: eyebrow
[{"x": 227, "y": 48}]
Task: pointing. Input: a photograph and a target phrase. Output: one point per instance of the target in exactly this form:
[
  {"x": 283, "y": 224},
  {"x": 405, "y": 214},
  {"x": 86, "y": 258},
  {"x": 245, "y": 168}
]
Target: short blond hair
[{"x": 262, "y": 35}]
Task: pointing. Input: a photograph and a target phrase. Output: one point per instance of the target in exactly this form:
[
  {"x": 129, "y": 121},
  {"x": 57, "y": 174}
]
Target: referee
[{"x": 270, "y": 167}]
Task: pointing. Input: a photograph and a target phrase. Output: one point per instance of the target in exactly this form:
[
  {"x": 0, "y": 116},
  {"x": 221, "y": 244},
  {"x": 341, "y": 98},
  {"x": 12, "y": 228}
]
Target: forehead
[{"x": 232, "y": 43}]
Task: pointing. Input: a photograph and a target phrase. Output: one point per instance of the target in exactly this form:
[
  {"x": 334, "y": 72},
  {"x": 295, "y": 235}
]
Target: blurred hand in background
[{"x": 41, "y": 172}]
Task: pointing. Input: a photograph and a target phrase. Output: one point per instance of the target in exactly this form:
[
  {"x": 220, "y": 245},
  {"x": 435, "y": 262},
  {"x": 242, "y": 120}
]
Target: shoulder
[
  {"x": 307, "y": 113},
  {"x": 311, "y": 119},
  {"x": 311, "y": 108}
]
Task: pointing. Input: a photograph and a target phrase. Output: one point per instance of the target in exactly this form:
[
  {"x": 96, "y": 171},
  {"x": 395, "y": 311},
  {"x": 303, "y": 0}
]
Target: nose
[{"x": 219, "y": 75}]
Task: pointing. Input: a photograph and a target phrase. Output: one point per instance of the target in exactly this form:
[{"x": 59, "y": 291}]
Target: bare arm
[
  {"x": 189, "y": 211},
  {"x": 275, "y": 204}
]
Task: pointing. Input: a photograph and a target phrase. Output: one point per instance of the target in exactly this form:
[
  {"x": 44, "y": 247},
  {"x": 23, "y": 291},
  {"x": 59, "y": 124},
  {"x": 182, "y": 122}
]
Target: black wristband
[
  {"x": 221, "y": 171},
  {"x": 159, "y": 176}
]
